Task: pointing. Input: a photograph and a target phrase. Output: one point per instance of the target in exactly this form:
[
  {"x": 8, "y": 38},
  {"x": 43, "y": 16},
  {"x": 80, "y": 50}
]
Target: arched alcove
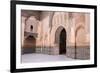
[
  {"x": 80, "y": 36},
  {"x": 60, "y": 39}
]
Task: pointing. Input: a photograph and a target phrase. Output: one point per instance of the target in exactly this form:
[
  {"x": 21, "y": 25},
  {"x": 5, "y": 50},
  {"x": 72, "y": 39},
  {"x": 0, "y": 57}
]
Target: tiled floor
[{"x": 28, "y": 58}]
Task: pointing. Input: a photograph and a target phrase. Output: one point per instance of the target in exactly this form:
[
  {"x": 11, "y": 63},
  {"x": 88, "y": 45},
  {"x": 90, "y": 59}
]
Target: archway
[
  {"x": 80, "y": 35},
  {"x": 29, "y": 44},
  {"x": 60, "y": 39},
  {"x": 62, "y": 42}
]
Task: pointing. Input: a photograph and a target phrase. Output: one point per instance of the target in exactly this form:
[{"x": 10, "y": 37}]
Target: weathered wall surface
[{"x": 49, "y": 26}]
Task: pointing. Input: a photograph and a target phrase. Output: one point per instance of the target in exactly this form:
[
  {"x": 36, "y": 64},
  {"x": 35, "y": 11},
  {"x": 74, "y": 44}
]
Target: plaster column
[{"x": 22, "y": 29}]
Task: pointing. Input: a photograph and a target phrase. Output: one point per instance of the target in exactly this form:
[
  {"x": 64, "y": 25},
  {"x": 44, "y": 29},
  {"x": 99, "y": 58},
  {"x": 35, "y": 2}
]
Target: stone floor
[{"x": 29, "y": 58}]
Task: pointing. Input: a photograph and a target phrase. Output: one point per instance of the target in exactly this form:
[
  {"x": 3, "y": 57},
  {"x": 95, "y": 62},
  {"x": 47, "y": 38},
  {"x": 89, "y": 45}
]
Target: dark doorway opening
[
  {"x": 62, "y": 42},
  {"x": 31, "y": 27},
  {"x": 29, "y": 45}
]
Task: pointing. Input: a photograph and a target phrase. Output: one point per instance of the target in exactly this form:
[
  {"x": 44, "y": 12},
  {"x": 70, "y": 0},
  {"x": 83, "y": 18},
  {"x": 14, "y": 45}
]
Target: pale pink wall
[
  {"x": 22, "y": 29},
  {"x": 47, "y": 38}
]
